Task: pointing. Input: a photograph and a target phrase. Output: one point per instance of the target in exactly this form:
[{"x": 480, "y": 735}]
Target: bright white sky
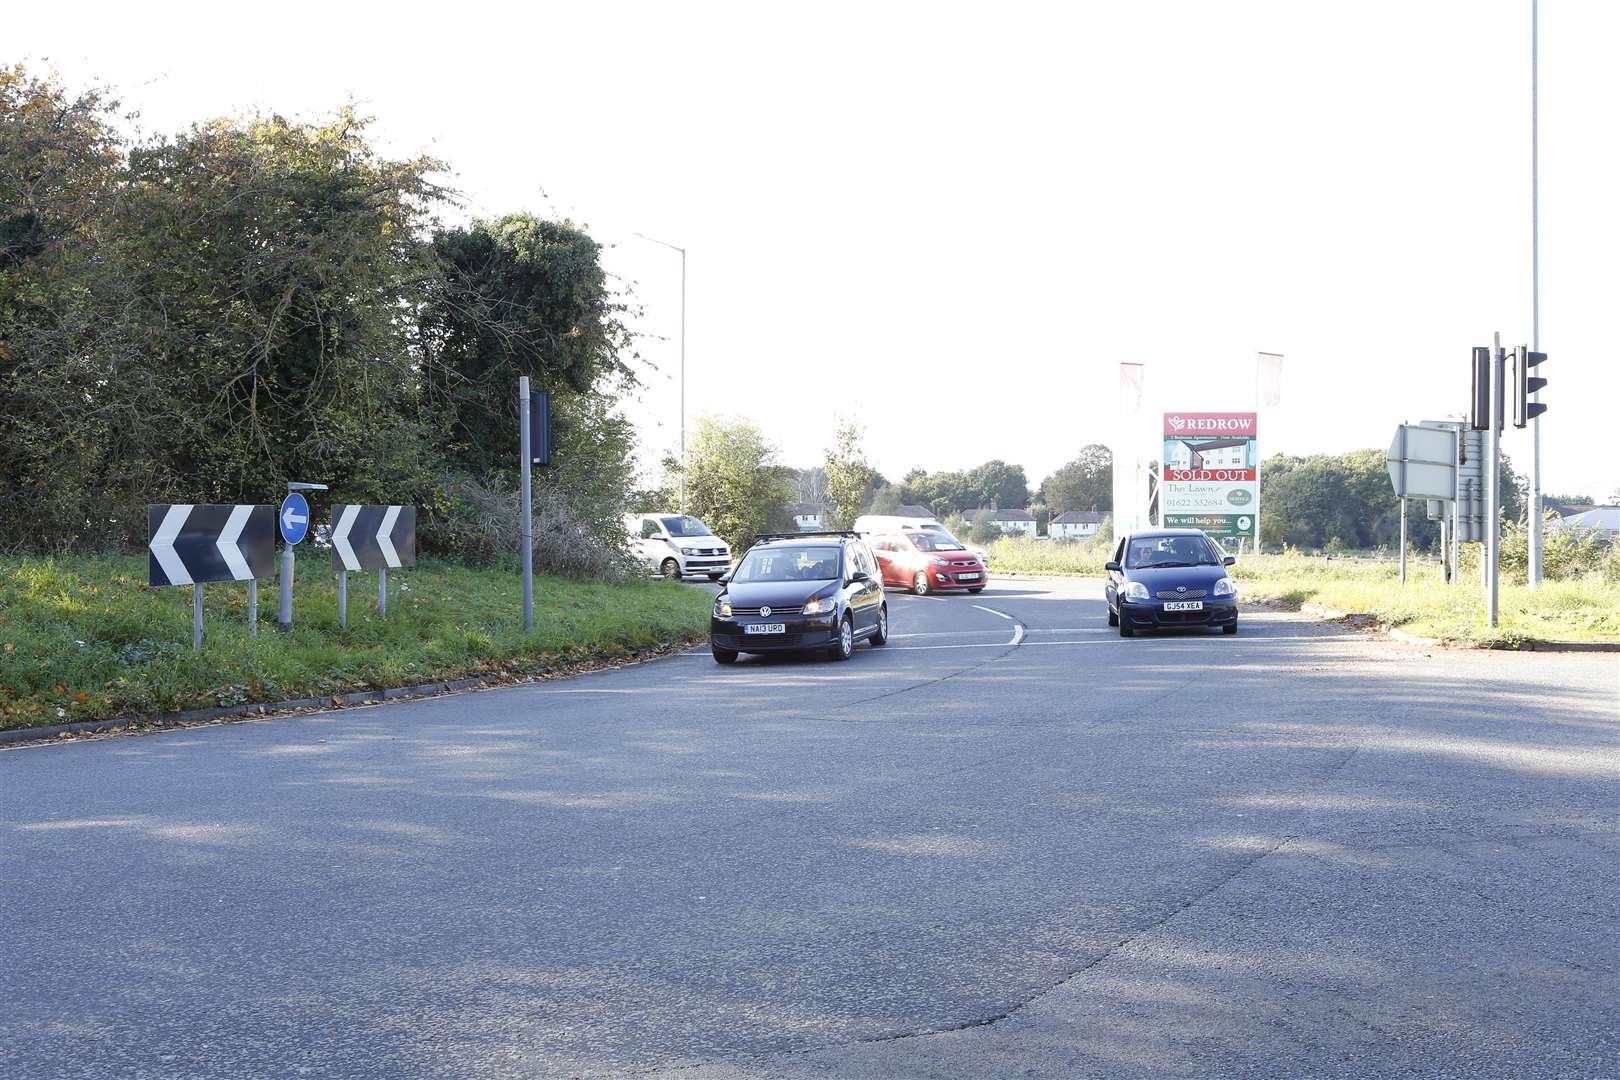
[{"x": 954, "y": 221}]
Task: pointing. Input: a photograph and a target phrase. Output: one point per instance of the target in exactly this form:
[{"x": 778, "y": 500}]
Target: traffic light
[
  {"x": 1479, "y": 397},
  {"x": 1525, "y": 384}
]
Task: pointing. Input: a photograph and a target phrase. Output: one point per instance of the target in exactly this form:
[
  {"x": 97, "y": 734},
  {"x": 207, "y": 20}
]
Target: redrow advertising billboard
[{"x": 1211, "y": 468}]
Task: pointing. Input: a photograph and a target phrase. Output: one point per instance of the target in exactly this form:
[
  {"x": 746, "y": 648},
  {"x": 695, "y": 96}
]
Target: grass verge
[
  {"x": 1585, "y": 609},
  {"x": 85, "y": 639}
]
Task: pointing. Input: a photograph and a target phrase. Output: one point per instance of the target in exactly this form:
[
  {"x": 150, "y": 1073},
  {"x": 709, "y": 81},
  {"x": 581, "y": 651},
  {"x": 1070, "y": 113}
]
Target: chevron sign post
[
  {"x": 190, "y": 543},
  {"x": 371, "y": 538}
]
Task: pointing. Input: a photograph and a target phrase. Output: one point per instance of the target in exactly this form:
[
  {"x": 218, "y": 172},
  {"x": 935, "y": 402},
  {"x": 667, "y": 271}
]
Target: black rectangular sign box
[
  {"x": 540, "y": 427},
  {"x": 190, "y": 543},
  {"x": 373, "y": 537}
]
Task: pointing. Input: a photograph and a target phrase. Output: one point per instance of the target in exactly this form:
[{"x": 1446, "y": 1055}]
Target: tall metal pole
[
  {"x": 1493, "y": 483},
  {"x": 1403, "y": 541},
  {"x": 683, "y": 381},
  {"x": 526, "y": 553},
  {"x": 284, "y": 611},
  {"x": 1535, "y": 305},
  {"x": 196, "y": 616}
]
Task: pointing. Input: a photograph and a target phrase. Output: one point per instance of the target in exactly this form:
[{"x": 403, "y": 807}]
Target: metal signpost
[
  {"x": 294, "y": 522},
  {"x": 534, "y": 439},
  {"x": 370, "y": 538},
  {"x": 191, "y": 543},
  {"x": 1422, "y": 463}
]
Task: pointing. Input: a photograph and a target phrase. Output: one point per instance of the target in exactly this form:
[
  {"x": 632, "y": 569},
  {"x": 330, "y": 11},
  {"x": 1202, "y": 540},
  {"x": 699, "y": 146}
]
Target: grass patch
[
  {"x": 85, "y": 639},
  {"x": 1582, "y": 609},
  {"x": 1021, "y": 555}
]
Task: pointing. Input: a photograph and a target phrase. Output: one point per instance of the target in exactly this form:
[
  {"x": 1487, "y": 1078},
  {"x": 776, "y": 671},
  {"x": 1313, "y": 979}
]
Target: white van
[
  {"x": 869, "y": 525},
  {"x": 678, "y": 546}
]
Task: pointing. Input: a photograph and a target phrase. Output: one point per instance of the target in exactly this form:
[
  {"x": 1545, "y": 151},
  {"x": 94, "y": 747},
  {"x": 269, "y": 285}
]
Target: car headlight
[
  {"x": 820, "y": 605},
  {"x": 1135, "y": 590},
  {"x": 722, "y": 608},
  {"x": 689, "y": 551},
  {"x": 1225, "y": 587},
  {"x": 937, "y": 561}
]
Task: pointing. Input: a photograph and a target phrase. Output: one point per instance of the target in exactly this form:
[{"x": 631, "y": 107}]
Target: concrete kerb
[{"x": 294, "y": 706}]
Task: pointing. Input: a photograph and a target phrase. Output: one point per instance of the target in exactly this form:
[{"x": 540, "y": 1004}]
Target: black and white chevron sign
[
  {"x": 189, "y": 543},
  {"x": 373, "y": 537}
]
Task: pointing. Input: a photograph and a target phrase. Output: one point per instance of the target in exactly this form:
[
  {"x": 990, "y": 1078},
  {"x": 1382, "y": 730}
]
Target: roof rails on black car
[{"x": 762, "y": 537}]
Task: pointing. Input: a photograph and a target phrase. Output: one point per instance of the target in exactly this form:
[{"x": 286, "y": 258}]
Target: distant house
[
  {"x": 1604, "y": 520},
  {"x": 807, "y": 516},
  {"x": 1013, "y": 522},
  {"x": 910, "y": 511},
  {"x": 1075, "y": 525}
]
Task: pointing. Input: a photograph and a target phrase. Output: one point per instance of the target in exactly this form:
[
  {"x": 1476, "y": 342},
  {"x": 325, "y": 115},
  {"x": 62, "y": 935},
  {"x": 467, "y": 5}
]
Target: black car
[
  {"x": 800, "y": 592},
  {"x": 1170, "y": 577}
]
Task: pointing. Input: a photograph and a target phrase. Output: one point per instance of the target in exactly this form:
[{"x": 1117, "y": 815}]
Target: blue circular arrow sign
[{"x": 294, "y": 518}]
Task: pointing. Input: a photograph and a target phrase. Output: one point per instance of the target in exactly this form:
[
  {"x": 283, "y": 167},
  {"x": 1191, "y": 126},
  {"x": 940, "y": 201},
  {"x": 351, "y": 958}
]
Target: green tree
[
  {"x": 734, "y": 481},
  {"x": 849, "y": 477},
  {"x": 885, "y": 500},
  {"x": 999, "y": 485},
  {"x": 1086, "y": 483}
]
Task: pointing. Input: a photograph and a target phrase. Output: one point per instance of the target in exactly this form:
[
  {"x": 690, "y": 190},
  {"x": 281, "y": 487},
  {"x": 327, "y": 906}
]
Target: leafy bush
[{"x": 483, "y": 521}]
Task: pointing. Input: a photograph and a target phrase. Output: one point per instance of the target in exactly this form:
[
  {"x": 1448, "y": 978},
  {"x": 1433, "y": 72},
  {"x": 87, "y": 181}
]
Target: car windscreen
[
  {"x": 1151, "y": 551},
  {"x": 788, "y": 562},
  {"x": 685, "y": 526},
  {"x": 933, "y": 542}
]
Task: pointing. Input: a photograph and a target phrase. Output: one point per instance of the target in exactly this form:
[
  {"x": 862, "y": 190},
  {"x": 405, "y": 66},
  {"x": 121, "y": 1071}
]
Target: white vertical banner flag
[
  {"x": 1268, "y": 379},
  {"x": 1130, "y": 488},
  {"x": 1130, "y": 389}
]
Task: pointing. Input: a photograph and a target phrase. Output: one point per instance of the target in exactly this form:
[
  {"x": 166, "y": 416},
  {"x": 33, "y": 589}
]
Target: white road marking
[{"x": 993, "y": 611}]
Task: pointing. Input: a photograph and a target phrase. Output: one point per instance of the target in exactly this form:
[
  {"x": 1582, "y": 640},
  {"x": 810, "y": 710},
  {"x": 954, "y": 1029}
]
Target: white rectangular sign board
[{"x": 1423, "y": 462}]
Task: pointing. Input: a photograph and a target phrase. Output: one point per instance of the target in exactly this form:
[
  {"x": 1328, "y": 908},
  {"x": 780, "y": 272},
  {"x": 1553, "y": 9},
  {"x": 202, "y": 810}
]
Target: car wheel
[
  {"x": 716, "y": 577},
  {"x": 670, "y": 568},
  {"x": 882, "y": 633},
  {"x": 919, "y": 584},
  {"x": 1230, "y": 628},
  {"x": 844, "y": 648},
  {"x": 1125, "y": 627},
  {"x": 722, "y": 656},
  {"x": 1113, "y": 617}
]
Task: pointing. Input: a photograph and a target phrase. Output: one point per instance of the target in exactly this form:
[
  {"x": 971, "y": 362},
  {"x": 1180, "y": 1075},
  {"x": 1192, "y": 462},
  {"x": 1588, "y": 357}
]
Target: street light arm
[{"x": 665, "y": 243}]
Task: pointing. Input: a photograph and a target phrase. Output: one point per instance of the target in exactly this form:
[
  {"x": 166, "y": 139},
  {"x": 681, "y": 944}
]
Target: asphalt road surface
[{"x": 1007, "y": 844}]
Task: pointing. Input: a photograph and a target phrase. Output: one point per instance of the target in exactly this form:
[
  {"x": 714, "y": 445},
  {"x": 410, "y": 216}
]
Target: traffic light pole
[
  {"x": 526, "y": 530},
  {"x": 1535, "y": 307},
  {"x": 1493, "y": 481}
]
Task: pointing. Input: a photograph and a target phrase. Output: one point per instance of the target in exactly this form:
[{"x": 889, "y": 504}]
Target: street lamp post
[{"x": 682, "y": 474}]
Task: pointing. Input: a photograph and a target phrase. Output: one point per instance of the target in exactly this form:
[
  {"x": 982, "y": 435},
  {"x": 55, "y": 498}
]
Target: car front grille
[
  {"x": 775, "y": 611},
  {"x": 1190, "y": 594}
]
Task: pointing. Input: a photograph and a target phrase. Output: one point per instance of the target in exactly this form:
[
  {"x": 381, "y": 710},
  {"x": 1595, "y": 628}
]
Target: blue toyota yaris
[{"x": 1170, "y": 577}]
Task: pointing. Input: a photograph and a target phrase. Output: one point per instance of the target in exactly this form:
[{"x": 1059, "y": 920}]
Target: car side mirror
[
  {"x": 725, "y": 579},
  {"x": 1230, "y": 560},
  {"x": 860, "y": 575},
  {"x": 1111, "y": 566}
]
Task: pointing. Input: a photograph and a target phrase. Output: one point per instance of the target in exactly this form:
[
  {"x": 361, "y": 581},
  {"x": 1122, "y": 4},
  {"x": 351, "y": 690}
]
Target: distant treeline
[
  {"x": 201, "y": 317},
  {"x": 1346, "y": 502}
]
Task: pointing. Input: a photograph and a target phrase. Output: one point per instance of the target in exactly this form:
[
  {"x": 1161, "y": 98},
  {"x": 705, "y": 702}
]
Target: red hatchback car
[{"x": 923, "y": 561}]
